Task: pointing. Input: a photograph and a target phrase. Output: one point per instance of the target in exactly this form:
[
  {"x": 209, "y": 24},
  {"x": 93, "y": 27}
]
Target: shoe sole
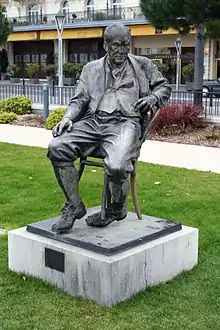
[
  {"x": 105, "y": 224},
  {"x": 68, "y": 229}
]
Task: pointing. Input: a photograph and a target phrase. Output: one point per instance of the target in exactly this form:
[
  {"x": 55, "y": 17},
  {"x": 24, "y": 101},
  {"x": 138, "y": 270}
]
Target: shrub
[
  {"x": 188, "y": 71},
  {"x": 7, "y": 117},
  {"x": 69, "y": 69},
  {"x": 32, "y": 70},
  {"x": 162, "y": 67},
  {"x": 55, "y": 117},
  {"x": 51, "y": 70},
  {"x": 178, "y": 116},
  {"x": 72, "y": 69},
  {"x": 12, "y": 70},
  {"x": 17, "y": 104},
  {"x": 79, "y": 67}
]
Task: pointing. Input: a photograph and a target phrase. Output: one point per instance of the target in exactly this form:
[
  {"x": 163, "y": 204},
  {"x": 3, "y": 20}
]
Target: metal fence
[
  {"x": 210, "y": 101},
  {"x": 62, "y": 95},
  {"x": 57, "y": 95}
]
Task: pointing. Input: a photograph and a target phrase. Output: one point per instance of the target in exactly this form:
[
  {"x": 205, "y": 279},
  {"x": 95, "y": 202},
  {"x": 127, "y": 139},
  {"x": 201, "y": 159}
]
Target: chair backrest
[{"x": 145, "y": 123}]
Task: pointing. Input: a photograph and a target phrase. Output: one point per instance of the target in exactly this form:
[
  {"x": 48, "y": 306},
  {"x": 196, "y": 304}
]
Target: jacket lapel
[
  {"x": 141, "y": 76},
  {"x": 98, "y": 80}
]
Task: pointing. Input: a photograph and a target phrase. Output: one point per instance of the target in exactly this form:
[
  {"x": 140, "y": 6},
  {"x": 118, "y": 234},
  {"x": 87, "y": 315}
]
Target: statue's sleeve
[
  {"x": 79, "y": 102},
  {"x": 159, "y": 85}
]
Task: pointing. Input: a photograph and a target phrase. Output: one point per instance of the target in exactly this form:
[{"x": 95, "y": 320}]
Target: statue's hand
[
  {"x": 65, "y": 123},
  {"x": 146, "y": 104}
]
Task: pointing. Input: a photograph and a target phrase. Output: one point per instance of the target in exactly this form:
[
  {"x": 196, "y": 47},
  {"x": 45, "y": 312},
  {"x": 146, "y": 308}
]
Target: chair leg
[
  {"x": 109, "y": 199},
  {"x": 134, "y": 193},
  {"x": 104, "y": 197},
  {"x": 80, "y": 169}
]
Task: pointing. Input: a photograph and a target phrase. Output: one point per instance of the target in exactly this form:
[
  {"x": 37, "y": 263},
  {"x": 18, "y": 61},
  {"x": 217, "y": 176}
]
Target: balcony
[{"x": 79, "y": 19}]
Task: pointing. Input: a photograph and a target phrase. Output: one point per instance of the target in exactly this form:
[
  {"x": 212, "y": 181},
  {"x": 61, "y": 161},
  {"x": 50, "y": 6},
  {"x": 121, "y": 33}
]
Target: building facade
[{"x": 34, "y": 37}]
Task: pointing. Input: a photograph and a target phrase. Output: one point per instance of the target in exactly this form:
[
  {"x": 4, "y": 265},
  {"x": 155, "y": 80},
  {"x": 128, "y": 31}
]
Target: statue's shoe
[
  {"x": 70, "y": 212},
  {"x": 95, "y": 220}
]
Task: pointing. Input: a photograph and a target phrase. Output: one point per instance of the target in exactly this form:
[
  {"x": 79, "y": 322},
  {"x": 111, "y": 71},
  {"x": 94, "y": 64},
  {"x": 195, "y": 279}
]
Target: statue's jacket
[{"x": 92, "y": 86}]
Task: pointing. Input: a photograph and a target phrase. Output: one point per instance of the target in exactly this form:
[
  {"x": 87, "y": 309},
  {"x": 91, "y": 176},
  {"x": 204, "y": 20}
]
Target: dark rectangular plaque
[{"x": 55, "y": 260}]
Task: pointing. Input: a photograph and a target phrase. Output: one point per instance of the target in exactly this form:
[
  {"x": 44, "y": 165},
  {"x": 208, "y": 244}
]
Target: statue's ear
[{"x": 105, "y": 46}]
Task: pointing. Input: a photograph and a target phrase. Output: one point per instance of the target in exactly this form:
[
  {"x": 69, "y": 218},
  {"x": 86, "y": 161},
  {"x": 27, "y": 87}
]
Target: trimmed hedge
[
  {"x": 7, "y": 117},
  {"x": 17, "y": 104},
  {"x": 55, "y": 117}
]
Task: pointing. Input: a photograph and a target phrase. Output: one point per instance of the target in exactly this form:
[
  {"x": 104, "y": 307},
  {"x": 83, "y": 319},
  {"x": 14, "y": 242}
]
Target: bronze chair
[{"x": 106, "y": 195}]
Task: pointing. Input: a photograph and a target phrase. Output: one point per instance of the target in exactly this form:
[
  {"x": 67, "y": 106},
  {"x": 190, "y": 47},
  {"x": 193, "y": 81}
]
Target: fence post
[
  {"x": 46, "y": 101},
  {"x": 53, "y": 87},
  {"x": 210, "y": 96},
  {"x": 61, "y": 91},
  {"x": 23, "y": 84}
]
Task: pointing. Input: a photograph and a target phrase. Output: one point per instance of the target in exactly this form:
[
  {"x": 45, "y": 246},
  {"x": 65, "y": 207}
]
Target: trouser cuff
[{"x": 62, "y": 164}]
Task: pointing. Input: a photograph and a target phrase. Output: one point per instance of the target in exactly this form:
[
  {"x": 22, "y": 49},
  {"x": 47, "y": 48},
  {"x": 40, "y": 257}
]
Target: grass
[{"x": 29, "y": 193}]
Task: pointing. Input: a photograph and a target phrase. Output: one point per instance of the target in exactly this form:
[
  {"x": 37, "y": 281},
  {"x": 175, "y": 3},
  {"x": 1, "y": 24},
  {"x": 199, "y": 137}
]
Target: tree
[
  {"x": 3, "y": 61},
  {"x": 212, "y": 29},
  {"x": 50, "y": 58},
  {"x": 185, "y": 16},
  {"x": 6, "y": 26}
]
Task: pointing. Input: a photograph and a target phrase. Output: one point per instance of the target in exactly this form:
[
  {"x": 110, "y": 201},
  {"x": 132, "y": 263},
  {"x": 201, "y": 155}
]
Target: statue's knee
[
  {"x": 115, "y": 170},
  {"x": 53, "y": 148}
]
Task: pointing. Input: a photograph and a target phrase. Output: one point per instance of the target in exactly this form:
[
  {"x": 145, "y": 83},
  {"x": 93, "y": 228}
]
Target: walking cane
[{"x": 133, "y": 174}]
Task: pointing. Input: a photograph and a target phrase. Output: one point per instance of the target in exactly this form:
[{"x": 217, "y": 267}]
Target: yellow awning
[
  {"x": 72, "y": 34},
  {"x": 84, "y": 33},
  {"x": 149, "y": 30},
  {"x": 48, "y": 35},
  {"x": 142, "y": 30},
  {"x": 22, "y": 36}
]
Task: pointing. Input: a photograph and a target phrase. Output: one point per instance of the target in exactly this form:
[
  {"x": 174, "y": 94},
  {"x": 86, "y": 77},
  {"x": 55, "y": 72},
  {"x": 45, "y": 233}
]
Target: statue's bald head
[
  {"x": 117, "y": 40},
  {"x": 116, "y": 30}
]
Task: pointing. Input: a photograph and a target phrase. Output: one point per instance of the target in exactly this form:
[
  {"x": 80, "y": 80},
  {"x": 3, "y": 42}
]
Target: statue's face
[{"x": 118, "y": 48}]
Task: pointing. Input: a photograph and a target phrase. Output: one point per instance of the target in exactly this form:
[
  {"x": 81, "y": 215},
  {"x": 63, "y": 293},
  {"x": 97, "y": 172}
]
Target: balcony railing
[{"x": 126, "y": 13}]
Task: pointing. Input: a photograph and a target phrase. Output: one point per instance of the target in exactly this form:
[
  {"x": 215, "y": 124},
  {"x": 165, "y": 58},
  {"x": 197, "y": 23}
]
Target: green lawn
[{"x": 28, "y": 193}]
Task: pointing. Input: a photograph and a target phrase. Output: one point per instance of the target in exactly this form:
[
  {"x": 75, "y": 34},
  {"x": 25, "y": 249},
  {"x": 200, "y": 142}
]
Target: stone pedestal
[{"x": 106, "y": 265}]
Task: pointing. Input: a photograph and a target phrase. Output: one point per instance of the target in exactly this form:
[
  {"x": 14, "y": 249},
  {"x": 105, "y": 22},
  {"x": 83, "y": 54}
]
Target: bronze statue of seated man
[{"x": 113, "y": 95}]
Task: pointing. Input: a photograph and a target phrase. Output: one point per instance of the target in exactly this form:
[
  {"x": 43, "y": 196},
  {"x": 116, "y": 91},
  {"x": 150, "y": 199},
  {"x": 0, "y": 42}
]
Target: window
[
  {"x": 18, "y": 58},
  {"x": 90, "y": 8},
  {"x": 143, "y": 51},
  {"x": 35, "y": 58},
  {"x": 117, "y": 8},
  {"x": 73, "y": 58},
  {"x": 66, "y": 11},
  {"x": 26, "y": 58},
  {"x": 34, "y": 13},
  {"x": 43, "y": 58},
  {"x": 83, "y": 57},
  {"x": 4, "y": 11},
  {"x": 93, "y": 56}
]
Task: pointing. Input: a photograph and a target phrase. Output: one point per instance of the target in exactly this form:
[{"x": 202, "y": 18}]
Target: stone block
[{"x": 105, "y": 279}]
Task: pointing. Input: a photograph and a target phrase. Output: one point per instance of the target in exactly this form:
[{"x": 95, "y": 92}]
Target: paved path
[{"x": 171, "y": 154}]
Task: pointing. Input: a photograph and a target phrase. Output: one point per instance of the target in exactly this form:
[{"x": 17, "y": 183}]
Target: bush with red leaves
[{"x": 178, "y": 117}]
